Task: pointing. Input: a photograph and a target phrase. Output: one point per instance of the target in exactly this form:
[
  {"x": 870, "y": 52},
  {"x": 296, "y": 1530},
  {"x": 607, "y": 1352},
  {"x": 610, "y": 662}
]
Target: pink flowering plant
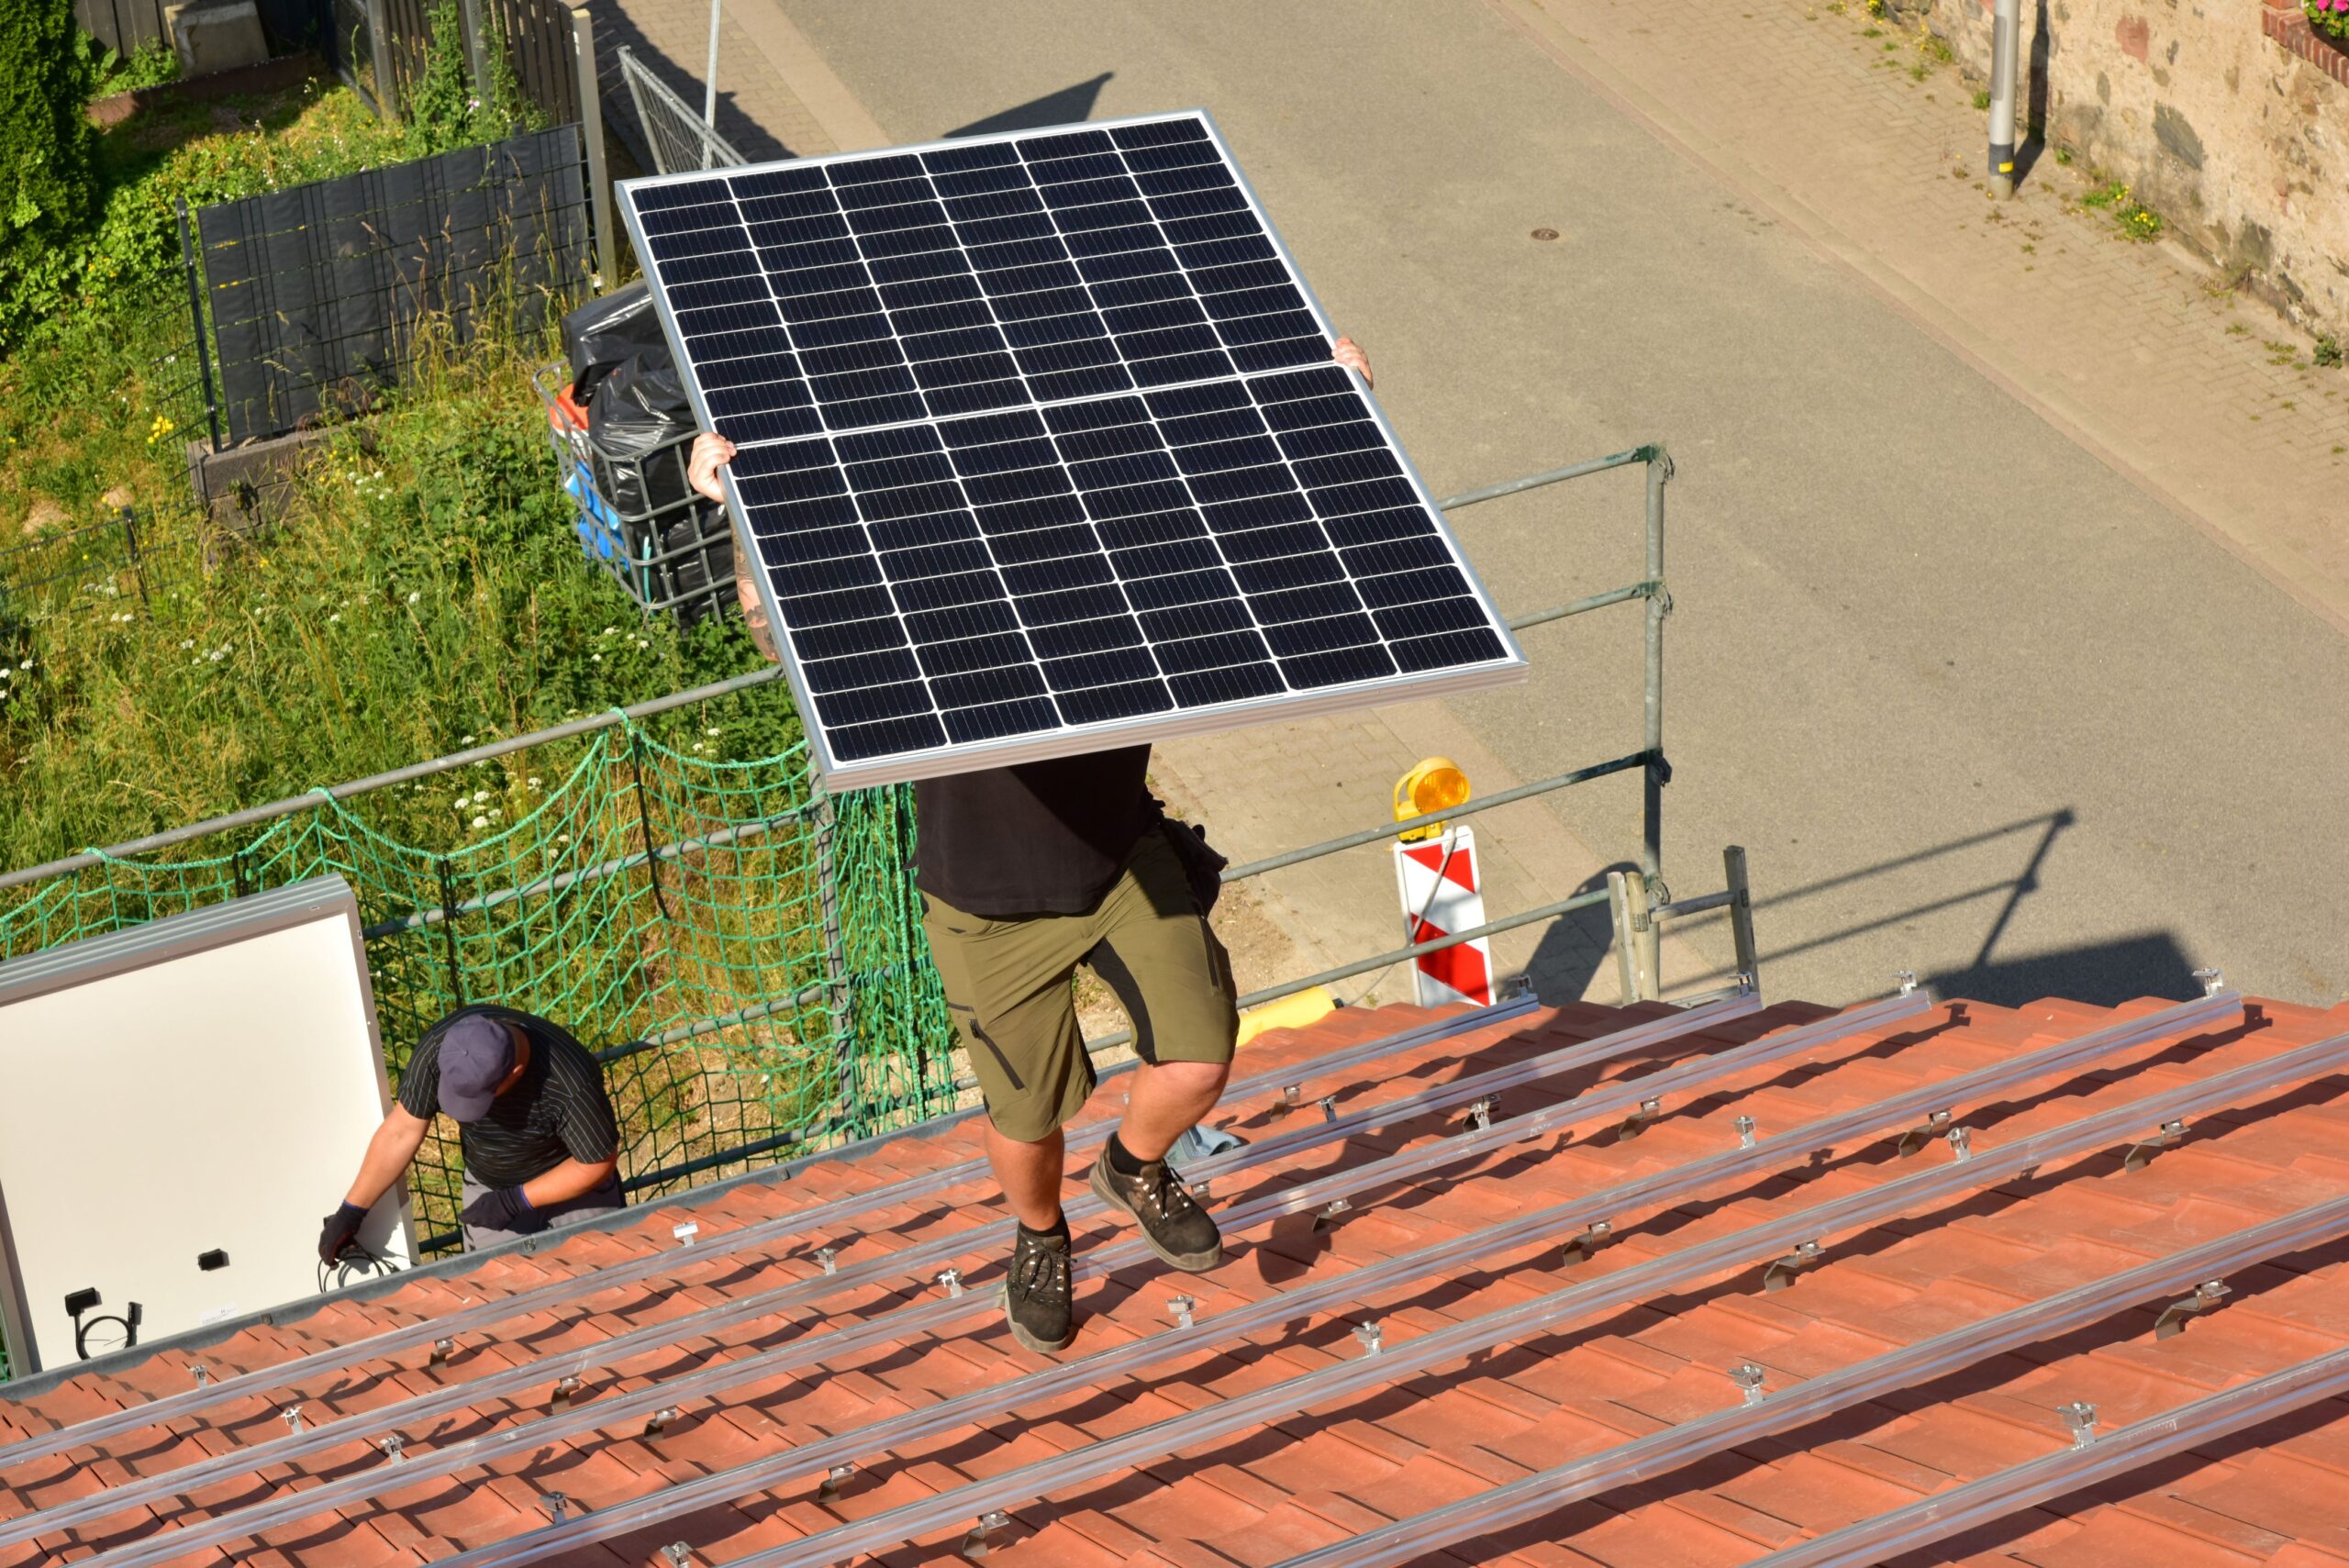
[{"x": 2330, "y": 17}]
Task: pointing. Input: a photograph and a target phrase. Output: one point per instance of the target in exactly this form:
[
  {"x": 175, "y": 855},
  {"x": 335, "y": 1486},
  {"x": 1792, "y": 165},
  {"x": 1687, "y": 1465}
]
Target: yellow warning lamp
[{"x": 1436, "y": 784}]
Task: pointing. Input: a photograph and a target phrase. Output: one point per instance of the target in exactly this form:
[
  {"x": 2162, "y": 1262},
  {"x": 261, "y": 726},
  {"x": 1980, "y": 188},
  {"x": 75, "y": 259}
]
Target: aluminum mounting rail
[
  {"x": 1774, "y": 1411},
  {"x": 2093, "y": 1458},
  {"x": 818, "y": 1220},
  {"x": 656, "y": 1402},
  {"x": 1393, "y": 1362},
  {"x": 569, "y": 1365},
  {"x": 1356, "y": 1287}
]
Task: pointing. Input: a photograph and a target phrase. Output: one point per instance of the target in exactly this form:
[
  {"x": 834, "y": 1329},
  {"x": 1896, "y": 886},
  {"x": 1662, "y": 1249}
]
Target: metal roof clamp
[
  {"x": 1749, "y": 1378},
  {"x": 1637, "y": 1122},
  {"x": 1328, "y": 1216},
  {"x": 2080, "y": 1416},
  {"x": 1745, "y": 1126},
  {"x": 1587, "y": 1245},
  {"x": 2141, "y": 1153},
  {"x": 559, "y": 1505},
  {"x": 952, "y": 1280},
  {"x": 1480, "y": 1113},
  {"x": 1202, "y": 1189},
  {"x": 203, "y": 1374},
  {"x": 835, "y": 1482},
  {"x": 1961, "y": 1143},
  {"x": 1292, "y": 1095},
  {"x": 442, "y": 1348},
  {"x": 678, "y": 1554},
  {"x": 658, "y": 1422},
  {"x": 567, "y": 1389},
  {"x": 393, "y": 1442},
  {"x": 1907, "y": 979},
  {"x": 2213, "y": 982},
  {"x": 1935, "y": 1123},
  {"x": 1783, "y": 1272},
  {"x": 1182, "y": 1306},
  {"x": 829, "y": 1258},
  {"x": 975, "y": 1544},
  {"x": 1373, "y": 1337},
  {"x": 686, "y": 1233},
  {"x": 1328, "y": 1103},
  {"x": 2177, "y": 1313},
  {"x": 292, "y": 1417}
]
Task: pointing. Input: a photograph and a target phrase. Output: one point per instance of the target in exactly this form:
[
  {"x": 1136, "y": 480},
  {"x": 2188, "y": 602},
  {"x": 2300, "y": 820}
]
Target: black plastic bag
[
  {"x": 640, "y": 407},
  {"x": 605, "y": 332}
]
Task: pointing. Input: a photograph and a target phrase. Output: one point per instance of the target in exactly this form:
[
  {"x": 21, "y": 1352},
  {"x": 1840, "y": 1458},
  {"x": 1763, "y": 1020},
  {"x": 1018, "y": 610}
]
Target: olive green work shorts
[{"x": 1007, "y": 987}]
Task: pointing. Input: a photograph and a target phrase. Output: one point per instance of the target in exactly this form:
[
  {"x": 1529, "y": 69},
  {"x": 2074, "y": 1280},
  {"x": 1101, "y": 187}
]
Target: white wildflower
[
  {"x": 595, "y": 658},
  {"x": 414, "y": 596},
  {"x": 711, "y": 730},
  {"x": 480, "y": 821},
  {"x": 533, "y": 781},
  {"x": 333, "y": 619},
  {"x": 464, "y": 740},
  {"x": 495, "y": 814}
]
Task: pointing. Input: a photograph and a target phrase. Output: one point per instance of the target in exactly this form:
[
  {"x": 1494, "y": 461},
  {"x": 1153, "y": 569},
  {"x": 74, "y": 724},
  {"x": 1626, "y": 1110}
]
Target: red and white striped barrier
[{"x": 1441, "y": 895}]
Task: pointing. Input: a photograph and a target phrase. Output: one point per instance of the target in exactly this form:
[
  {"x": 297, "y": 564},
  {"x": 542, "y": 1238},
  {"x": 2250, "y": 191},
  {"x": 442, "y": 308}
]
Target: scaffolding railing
[{"x": 679, "y": 140}]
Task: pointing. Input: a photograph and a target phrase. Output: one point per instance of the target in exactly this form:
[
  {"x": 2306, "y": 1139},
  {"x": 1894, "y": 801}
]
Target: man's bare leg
[
  {"x": 1030, "y": 1175},
  {"x": 1167, "y": 1100}
]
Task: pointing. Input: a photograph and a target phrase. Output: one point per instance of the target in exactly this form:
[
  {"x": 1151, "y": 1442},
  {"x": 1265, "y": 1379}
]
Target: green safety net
[{"x": 742, "y": 947}]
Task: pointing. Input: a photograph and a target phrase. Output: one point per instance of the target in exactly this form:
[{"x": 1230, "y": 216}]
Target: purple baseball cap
[{"x": 476, "y": 1054}]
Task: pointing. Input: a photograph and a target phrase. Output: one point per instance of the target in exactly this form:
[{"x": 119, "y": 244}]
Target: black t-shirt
[
  {"x": 1039, "y": 839},
  {"x": 559, "y": 1111}
]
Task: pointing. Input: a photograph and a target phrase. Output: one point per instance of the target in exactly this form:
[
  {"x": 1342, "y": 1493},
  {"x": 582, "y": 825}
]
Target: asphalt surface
[{"x": 1975, "y": 705}]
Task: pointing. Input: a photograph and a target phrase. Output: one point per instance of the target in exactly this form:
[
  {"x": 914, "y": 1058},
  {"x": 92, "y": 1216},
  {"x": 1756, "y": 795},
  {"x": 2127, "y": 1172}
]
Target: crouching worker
[{"x": 540, "y": 1144}]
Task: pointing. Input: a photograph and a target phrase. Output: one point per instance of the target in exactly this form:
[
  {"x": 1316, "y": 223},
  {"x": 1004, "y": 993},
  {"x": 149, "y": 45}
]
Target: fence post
[
  {"x": 709, "y": 81},
  {"x": 1741, "y": 913},
  {"x": 591, "y": 126},
  {"x": 836, "y": 988},
  {"x": 1659, "y": 606},
  {"x": 130, "y": 549},
  {"x": 476, "y": 48},
  {"x": 195, "y": 323},
  {"x": 380, "y": 62}
]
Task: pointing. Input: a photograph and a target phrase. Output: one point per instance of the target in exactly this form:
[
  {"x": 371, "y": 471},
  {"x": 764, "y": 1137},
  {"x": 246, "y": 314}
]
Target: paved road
[{"x": 1975, "y": 705}]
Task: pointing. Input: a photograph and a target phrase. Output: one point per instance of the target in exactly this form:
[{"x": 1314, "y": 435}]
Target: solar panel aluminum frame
[{"x": 1100, "y": 735}]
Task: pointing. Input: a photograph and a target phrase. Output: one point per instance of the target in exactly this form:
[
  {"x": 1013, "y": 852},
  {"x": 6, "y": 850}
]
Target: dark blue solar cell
[
  {"x": 1291, "y": 325},
  {"x": 810, "y": 544},
  {"x": 839, "y": 329},
  {"x": 854, "y": 385},
  {"x": 1149, "y": 528},
  {"x": 712, "y": 268},
  {"x": 986, "y": 155},
  {"x": 1430, "y": 616},
  {"x": 874, "y": 445},
  {"x": 1162, "y": 559},
  {"x": 1079, "y": 446},
  {"x": 1304, "y": 604},
  {"x": 1223, "y": 252},
  {"x": 1126, "y": 265},
  {"x": 1099, "y": 705},
  {"x": 1063, "y": 171},
  {"x": 1131, "y": 500},
  {"x": 978, "y": 232},
  {"x": 1058, "y": 275},
  {"x": 719, "y": 290},
  {"x": 1017, "y": 253},
  {"x": 896, "y": 473},
  {"x": 1326, "y": 381},
  {"x": 990, "y": 617},
  {"x": 1371, "y": 528},
  {"x": 787, "y": 457},
  {"x": 967, "y": 725},
  {"x": 867, "y": 704},
  {"x": 955, "y": 345},
  {"x": 847, "y": 571},
  {"x": 846, "y": 638},
  {"x": 743, "y": 371},
  {"x": 932, "y": 529},
  {"x": 1254, "y": 302},
  {"x": 947, "y": 401},
  {"x": 1056, "y": 577},
  {"x": 992, "y": 429},
  {"x": 876, "y": 411},
  {"x": 906, "y": 241},
  {"x": 1196, "y": 400},
  {"x": 1270, "y": 544},
  {"x": 685, "y": 193},
  {"x": 1235, "y": 684},
  {"x": 1047, "y": 302},
  {"x": 1006, "y": 683},
  {"x": 804, "y": 243},
  {"x": 1320, "y": 475},
  {"x": 964, "y": 654},
  {"x": 1451, "y": 648},
  {"x": 1109, "y": 241},
  {"x": 1159, "y": 133},
  {"x": 877, "y": 354},
  {"x": 943, "y": 317},
  {"x": 967, "y": 211},
  {"x": 1215, "y": 225},
  {"x": 834, "y": 512},
  {"x": 803, "y": 307},
  {"x": 884, "y": 192},
  {"x": 1087, "y": 353},
  {"x": 1095, "y": 382},
  {"x": 1291, "y": 638},
  {"x": 1180, "y": 588},
  {"x": 1175, "y": 182},
  {"x": 885, "y": 667},
  {"x": 1044, "y": 331},
  {"x": 1288, "y": 572},
  {"x": 947, "y": 273},
  {"x": 1098, "y": 635},
  {"x": 830, "y": 609},
  {"x": 1051, "y": 512},
  {"x": 804, "y": 484},
  {"x": 1326, "y": 440},
  {"x": 1156, "y": 315},
  {"x": 1075, "y": 604},
  {"x": 774, "y": 424},
  {"x": 1179, "y": 155},
  {"x": 1209, "y": 619},
  {"x": 1072, "y": 144},
  {"x": 980, "y": 183},
  {"x": 1312, "y": 670},
  {"x": 1115, "y": 292},
  {"x": 941, "y": 593},
  {"x": 872, "y": 171},
  {"x": 1096, "y": 416},
  {"x": 701, "y": 242},
  {"x": 911, "y": 501},
  {"x": 1425, "y": 554},
  {"x": 1041, "y": 544},
  {"x": 858, "y": 742},
  {"x": 1003, "y": 456},
  {"x": 1021, "y": 484},
  {"x": 1198, "y": 654},
  {"x": 1114, "y": 667},
  {"x": 1239, "y": 483},
  {"x": 1213, "y": 457},
  {"x": 1089, "y": 193},
  {"x": 1112, "y": 473},
  {"x": 1180, "y": 367},
  {"x": 1198, "y": 204}
]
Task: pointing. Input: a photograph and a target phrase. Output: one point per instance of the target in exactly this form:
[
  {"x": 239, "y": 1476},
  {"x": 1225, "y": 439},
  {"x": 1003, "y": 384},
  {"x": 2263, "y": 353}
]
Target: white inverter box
[{"x": 181, "y": 1102}]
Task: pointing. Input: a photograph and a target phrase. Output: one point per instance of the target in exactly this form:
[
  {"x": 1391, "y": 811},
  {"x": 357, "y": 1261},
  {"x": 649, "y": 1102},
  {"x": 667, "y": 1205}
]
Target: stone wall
[{"x": 2225, "y": 117}]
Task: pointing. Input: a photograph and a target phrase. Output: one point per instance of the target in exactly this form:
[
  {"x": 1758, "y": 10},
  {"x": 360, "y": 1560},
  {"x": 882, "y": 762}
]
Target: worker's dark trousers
[{"x": 595, "y": 1201}]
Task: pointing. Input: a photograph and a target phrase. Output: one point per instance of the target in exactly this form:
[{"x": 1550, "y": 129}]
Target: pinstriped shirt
[{"x": 559, "y": 1111}]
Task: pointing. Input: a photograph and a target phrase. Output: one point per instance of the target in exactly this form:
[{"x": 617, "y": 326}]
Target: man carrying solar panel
[{"x": 1025, "y": 873}]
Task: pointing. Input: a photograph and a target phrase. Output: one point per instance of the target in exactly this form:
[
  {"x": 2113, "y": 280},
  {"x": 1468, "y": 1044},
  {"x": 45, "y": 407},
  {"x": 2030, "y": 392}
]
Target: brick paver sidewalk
[
  {"x": 2208, "y": 403},
  {"x": 776, "y": 98}
]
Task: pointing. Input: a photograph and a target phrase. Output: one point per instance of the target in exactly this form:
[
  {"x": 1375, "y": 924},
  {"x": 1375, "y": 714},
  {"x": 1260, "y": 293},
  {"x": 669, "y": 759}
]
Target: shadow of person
[{"x": 1573, "y": 947}]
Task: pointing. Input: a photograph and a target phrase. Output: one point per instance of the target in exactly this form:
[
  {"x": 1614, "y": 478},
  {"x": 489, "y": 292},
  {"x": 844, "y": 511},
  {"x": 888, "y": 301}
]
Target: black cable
[
  {"x": 129, "y": 1319},
  {"x": 366, "y": 1265}
]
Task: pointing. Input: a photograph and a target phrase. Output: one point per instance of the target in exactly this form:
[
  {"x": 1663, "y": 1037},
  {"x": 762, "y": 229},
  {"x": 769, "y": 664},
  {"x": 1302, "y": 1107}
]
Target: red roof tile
[{"x": 1327, "y": 1472}]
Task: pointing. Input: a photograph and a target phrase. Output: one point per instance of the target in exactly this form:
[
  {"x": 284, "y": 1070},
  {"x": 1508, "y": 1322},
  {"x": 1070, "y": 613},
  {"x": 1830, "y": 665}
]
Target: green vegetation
[
  {"x": 48, "y": 177},
  {"x": 2327, "y": 351},
  {"x": 2130, "y": 217},
  {"x": 150, "y": 66},
  {"x": 1981, "y": 98}
]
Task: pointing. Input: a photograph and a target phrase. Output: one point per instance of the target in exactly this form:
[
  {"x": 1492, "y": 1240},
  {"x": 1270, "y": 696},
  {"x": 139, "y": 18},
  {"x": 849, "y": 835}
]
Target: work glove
[
  {"x": 341, "y": 1229},
  {"x": 504, "y": 1208},
  {"x": 1201, "y": 864}
]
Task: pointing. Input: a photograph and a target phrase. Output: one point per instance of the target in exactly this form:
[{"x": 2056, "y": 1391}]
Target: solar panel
[{"x": 1042, "y": 450}]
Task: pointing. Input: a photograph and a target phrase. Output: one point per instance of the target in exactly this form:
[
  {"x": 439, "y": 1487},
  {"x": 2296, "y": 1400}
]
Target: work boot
[
  {"x": 1171, "y": 1222},
  {"x": 1036, "y": 1291}
]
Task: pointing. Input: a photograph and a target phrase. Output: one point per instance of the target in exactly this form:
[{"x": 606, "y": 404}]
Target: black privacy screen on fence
[{"x": 315, "y": 292}]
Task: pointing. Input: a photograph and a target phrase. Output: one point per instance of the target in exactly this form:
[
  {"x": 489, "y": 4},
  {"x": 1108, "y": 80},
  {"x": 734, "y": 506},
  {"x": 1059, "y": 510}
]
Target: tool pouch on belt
[{"x": 1201, "y": 863}]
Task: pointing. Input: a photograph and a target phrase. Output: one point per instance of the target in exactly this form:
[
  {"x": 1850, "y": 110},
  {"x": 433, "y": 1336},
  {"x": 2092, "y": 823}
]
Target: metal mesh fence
[
  {"x": 111, "y": 566},
  {"x": 740, "y": 947},
  {"x": 678, "y": 138}
]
